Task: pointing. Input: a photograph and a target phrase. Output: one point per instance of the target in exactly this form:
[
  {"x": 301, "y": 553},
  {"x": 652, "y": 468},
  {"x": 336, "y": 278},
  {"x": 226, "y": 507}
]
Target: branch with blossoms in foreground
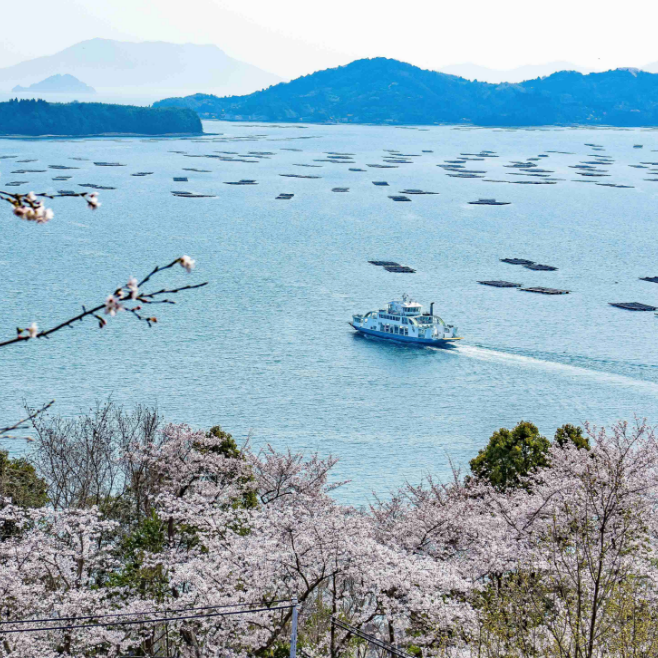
[
  {"x": 127, "y": 298},
  {"x": 30, "y": 208}
]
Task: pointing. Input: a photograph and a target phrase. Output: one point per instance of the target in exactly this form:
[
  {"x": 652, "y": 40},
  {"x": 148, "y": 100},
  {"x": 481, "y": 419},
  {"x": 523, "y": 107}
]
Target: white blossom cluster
[{"x": 32, "y": 209}]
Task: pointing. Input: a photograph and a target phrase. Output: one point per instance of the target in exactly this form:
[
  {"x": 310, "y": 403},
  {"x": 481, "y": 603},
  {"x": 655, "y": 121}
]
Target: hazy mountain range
[
  {"x": 386, "y": 91},
  {"x": 161, "y": 67},
  {"x": 472, "y": 71}
]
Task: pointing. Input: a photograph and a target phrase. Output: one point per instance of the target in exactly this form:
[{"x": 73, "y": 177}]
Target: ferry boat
[{"x": 406, "y": 322}]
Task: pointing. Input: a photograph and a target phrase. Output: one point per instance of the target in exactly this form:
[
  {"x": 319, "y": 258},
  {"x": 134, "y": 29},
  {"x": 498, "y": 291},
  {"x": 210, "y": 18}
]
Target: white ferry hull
[{"x": 443, "y": 343}]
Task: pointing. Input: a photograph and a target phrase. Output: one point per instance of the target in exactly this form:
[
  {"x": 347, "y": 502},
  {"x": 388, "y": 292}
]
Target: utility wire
[
  {"x": 130, "y": 622},
  {"x": 369, "y": 638},
  {"x": 128, "y": 614}
]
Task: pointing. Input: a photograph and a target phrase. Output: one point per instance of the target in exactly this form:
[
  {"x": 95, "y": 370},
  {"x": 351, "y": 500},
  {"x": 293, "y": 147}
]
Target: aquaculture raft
[
  {"x": 517, "y": 261},
  {"x": 651, "y": 279},
  {"x": 546, "y": 291},
  {"x": 489, "y": 202},
  {"x": 400, "y": 269},
  {"x": 384, "y": 263},
  {"x": 540, "y": 268},
  {"x": 634, "y": 306},
  {"x": 501, "y": 284}
]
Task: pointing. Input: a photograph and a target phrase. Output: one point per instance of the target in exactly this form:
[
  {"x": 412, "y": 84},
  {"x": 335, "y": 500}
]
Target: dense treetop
[
  {"x": 386, "y": 91},
  {"x": 38, "y": 117}
]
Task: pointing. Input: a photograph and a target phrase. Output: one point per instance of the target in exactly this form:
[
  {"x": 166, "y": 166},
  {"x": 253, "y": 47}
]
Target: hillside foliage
[
  {"x": 386, "y": 91},
  {"x": 38, "y": 117}
]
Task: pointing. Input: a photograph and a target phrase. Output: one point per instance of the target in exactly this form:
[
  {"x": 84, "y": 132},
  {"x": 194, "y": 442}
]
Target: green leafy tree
[
  {"x": 571, "y": 434},
  {"x": 511, "y": 455},
  {"x": 20, "y": 483},
  {"x": 229, "y": 448}
]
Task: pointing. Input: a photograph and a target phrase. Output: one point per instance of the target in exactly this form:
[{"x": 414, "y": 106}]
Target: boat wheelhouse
[{"x": 405, "y": 321}]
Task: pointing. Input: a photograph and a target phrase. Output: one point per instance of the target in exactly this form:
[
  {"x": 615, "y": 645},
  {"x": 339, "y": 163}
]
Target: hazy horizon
[{"x": 287, "y": 40}]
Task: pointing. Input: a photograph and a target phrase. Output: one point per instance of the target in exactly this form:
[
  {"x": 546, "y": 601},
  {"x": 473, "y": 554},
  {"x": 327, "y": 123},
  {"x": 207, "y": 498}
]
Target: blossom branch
[
  {"x": 115, "y": 303},
  {"x": 29, "y": 207}
]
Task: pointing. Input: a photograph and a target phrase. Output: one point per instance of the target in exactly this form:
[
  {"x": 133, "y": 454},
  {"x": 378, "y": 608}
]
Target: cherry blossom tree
[{"x": 564, "y": 567}]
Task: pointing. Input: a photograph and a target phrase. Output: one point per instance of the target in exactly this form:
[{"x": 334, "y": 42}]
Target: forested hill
[
  {"x": 37, "y": 117},
  {"x": 386, "y": 91}
]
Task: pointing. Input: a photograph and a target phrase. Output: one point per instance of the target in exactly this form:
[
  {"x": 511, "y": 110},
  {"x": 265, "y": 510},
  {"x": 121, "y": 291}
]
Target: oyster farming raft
[{"x": 405, "y": 321}]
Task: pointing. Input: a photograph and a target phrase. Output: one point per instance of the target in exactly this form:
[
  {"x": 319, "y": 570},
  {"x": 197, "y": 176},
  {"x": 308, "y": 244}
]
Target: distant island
[
  {"x": 38, "y": 117},
  {"x": 386, "y": 91},
  {"x": 57, "y": 84}
]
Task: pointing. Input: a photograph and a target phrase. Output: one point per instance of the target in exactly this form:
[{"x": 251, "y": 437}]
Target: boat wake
[{"x": 569, "y": 370}]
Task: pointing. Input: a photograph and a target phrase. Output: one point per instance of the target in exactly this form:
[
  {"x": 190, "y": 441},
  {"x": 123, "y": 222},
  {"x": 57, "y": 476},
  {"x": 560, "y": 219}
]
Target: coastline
[{"x": 201, "y": 134}]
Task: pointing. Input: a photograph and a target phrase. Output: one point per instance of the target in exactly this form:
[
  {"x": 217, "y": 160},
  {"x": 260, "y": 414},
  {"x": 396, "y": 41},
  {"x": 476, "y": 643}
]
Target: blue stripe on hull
[{"x": 409, "y": 340}]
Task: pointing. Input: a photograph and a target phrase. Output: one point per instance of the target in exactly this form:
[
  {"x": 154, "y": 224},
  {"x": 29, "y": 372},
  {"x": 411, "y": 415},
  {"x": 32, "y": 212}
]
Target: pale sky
[{"x": 294, "y": 37}]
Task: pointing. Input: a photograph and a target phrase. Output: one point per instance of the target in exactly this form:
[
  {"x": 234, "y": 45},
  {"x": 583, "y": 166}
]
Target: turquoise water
[{"x": 265, "y": 350}]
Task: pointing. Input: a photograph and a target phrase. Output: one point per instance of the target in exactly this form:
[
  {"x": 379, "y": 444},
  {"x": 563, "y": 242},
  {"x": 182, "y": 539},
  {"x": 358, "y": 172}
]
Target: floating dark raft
[
  {"x": 380, "y": 183},
  {"x": 651, "y": 279},
  {"x": 192, "y": 195},
  {"x": 66, "y": 193},
  {"x": 416, "y": 192},
  {"x": 180, "y": 179},
  {"x": 354, "y": 169},
  {"x": 532, "y": 182},
  {"x": 501, "y": 284},
  {"x": 142, "y": 173},
  {"x": 93, "y": 186},
  {"x": 340, "y": 189},
  {"x": 399, "y": 269},
  {"x": 634, "y": 306},
  {"x": 57, "y": 166},
  {"x": 489, "y": 202},
  {"x": 546, "y": 291},
  {"x": 243, "y": 181},
  {"x": 298, "y": 176},
  {"x": 517, "y": 261},
  {"x": 16, "y": 183},
  {"x": 397, "y": 197},
  {"x": 540, "y": 268},
  {"x": 109, "y": 164},
  {"x": 285, "y": 196},
  {"x": 380, "y": 166},
  {"x": 384, "y": 263}
]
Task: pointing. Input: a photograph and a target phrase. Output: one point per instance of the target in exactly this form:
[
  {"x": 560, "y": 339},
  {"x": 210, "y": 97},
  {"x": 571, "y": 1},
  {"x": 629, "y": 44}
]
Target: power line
[
  {"x": 127, "y": 614},
  {"x": 369, "y": 638},
  {"x": 129, "y": 622}
]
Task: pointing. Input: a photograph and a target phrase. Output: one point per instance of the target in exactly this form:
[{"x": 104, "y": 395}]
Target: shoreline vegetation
[
  {"x": 107, "y": 134},
  {"x": 39, "y": 118},
  {"x": 383, "y": 91},
  {"x": 115, "y": 518}
]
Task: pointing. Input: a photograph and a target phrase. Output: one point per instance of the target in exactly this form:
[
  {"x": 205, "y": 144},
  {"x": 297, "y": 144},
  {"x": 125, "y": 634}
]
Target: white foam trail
[{"x": 494, "y": 356}]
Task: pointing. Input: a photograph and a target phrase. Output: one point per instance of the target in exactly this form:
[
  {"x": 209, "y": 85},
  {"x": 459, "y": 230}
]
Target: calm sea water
[{"x": 265, "y": 350}]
